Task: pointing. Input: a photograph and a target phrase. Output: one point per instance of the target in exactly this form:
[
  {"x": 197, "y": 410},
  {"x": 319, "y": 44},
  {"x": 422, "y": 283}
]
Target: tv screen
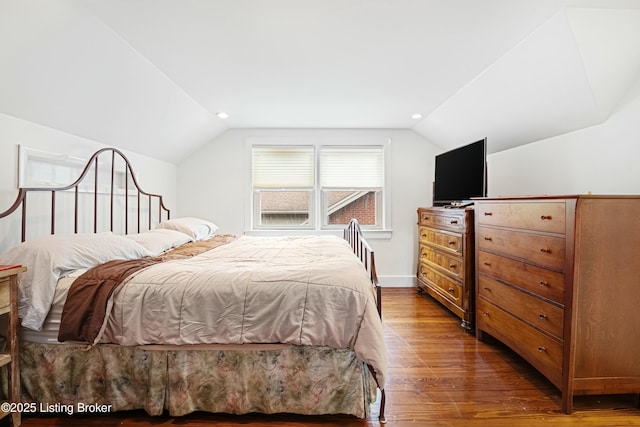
[{"x": 460, "y": 174}]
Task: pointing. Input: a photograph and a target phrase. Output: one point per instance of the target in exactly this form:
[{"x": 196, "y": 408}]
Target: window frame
[{"x": 318, "y": 226}]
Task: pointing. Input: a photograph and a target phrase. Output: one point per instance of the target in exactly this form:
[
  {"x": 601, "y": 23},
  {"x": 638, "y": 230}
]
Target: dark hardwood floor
[{"x": 438, "y": 376}]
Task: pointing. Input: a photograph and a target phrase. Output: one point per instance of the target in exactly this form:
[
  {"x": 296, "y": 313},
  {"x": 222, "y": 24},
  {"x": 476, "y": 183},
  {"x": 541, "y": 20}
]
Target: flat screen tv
[{"x": 461, "y": 174}]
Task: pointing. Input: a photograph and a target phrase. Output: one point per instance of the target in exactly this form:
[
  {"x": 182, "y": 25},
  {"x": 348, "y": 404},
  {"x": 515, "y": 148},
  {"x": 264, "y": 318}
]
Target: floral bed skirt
[{"x": 292, "y": 379}]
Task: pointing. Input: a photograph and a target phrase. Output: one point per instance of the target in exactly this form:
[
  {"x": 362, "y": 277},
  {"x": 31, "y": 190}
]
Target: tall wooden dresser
[
  {"x": 445, "y": 259},
  {"x": 558, "y": 281}
]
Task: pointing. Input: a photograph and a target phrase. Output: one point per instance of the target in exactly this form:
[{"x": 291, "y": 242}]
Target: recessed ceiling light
[
  {"x": 416, "y": 116},
  {"x": 222, "y": 115}
]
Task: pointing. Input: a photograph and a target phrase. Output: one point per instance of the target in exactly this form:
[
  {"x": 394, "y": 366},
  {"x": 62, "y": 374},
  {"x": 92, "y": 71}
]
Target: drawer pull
[
  {"x": 488, "y": 264},
  {"x": 543, "y": 283},
  {"x": 452, "y": 242},
  {"x": 542, "y": 349},
  {"x": 488, "y": 239},
  {"x": 452, "y": 266},
  {"x": 545, "y": 250},
  {"x": 454, "y": 221},
  {"x": 542, "y": 316},
  {"x": 543, "y": 217},
  {"x": 487, "y": 289},
  {"x": 488, "y": 213},
  {"x": 451, "y": 290}
]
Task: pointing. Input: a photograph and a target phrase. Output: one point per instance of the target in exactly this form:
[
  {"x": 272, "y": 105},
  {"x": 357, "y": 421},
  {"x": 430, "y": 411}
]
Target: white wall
[
  {"x": 211, "y": 185},
  {"x": 602, "y": 159},
  {"x": 154, "y": 176}
]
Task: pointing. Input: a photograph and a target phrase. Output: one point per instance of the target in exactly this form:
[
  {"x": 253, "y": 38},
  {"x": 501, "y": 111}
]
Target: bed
[{"x": 170, "y": 316}]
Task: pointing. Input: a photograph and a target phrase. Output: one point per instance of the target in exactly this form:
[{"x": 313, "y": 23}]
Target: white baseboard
[{"x": 397, "y": 281}]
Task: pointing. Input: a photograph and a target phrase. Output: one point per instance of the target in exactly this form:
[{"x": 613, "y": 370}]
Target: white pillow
[
  {"x": 51, "y": 257},
  {"x": 197, "y": 228},
  {"x": 160, "y": 240}
]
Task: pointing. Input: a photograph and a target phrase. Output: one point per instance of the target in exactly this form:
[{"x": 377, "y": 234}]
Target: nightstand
[{"x": 9, "y": 358}]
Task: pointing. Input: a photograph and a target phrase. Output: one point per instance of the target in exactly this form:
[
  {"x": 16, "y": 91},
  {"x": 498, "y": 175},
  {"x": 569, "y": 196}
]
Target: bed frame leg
[{"x": 381, "y": 417}]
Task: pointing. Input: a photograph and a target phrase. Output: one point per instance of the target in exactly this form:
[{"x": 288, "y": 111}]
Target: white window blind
[
  {"x": 352, "y": 167},
  {"x": 283, "y": 167}
]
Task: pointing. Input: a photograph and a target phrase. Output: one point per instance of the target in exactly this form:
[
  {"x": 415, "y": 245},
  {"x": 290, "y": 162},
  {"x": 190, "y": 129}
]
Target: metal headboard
[{"x": 111, "y": 193}]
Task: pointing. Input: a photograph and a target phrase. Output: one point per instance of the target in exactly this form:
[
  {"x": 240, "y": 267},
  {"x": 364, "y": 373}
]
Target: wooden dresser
[
  {"x": 9, "y": 358},
  {"x": 558, "y": 281},
  {"x": 445, "y": 259}
]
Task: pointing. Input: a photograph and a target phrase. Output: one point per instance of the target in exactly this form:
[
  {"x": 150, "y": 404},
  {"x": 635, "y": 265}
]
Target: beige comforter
[{"x": 307, "y": 290}]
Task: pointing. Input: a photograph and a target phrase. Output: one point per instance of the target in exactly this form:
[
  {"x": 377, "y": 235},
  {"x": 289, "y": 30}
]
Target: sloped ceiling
[{"x": 150, "y": 75}]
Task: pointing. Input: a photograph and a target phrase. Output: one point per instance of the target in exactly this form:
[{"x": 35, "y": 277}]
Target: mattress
[{"x": 51, "y": 325}]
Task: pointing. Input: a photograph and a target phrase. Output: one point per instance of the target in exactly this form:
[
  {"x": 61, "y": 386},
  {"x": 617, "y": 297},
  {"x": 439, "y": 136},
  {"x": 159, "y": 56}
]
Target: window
[
  {"x": 43, "y": 169},
  {"x": 317, "y": 186},
  {"x": 351, "y": 182},
  {"x": 38, "y": 169},
  {"x": 283, "y": 187}
]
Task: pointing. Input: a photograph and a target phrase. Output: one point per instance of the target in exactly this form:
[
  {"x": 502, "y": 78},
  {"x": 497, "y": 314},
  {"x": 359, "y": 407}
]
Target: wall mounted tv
[{"x": 461, "y": 174}]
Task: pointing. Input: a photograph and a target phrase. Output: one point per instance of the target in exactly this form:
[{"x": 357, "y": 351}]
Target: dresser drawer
[
  {"x": 538, "y": 216},
  {"x": 448, "y": 286},
  {"x": 544, "y": 250},
  {"x": 452, "y": 220},
  {"x": 538, "y": 348},
  {"x": 535, "y": 311},
  {"x": 546, "y": 283},
  {"x": 450, "y": 263},
  {"x": 449, "y": 241}
]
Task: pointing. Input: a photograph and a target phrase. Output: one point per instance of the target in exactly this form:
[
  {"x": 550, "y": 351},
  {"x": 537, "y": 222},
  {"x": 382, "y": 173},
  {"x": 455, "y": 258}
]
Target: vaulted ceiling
[{"x": 151, "y": 75}]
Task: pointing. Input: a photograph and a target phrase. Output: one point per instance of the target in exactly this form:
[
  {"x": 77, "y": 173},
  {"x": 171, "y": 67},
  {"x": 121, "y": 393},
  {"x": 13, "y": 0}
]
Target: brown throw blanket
[{"x": 86, "y": 304}]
